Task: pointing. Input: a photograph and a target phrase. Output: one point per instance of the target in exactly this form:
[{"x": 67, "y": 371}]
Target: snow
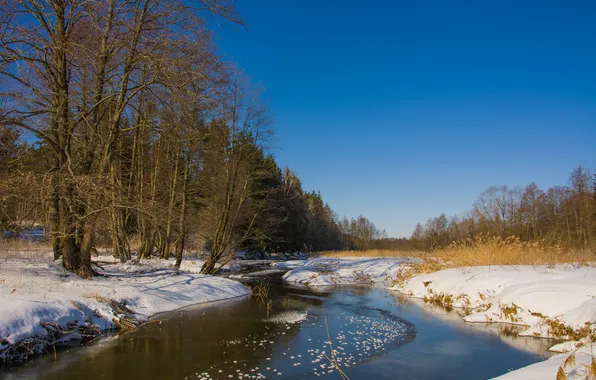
[
  {"x": 188, "y": 265},
  {"x": 563, "y": 293},
  {"x": 39, "y": 290},
  {"x": 566, "y": 346},
  {"x": 548, "y": 369},
  {"x": 525, "y": 295},
  {"x": 257, "y": 274},
  {"x": 289, "y": 264},
  {"x": 350, "y": 270}
]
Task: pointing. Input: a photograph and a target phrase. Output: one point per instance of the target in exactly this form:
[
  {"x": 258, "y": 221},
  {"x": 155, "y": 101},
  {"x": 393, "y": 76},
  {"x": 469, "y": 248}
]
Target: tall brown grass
[
  {"x": 486, "y": 250},
  {"x": 494, "y": 250},
  {"x": 15, "y": 248}
]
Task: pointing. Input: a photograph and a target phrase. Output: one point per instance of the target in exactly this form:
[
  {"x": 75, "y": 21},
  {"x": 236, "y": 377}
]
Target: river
[{"x": 375, "y": 334}]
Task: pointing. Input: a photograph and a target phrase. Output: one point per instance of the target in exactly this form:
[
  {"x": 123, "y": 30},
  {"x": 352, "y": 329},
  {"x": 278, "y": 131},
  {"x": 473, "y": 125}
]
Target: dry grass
[
  {"x": 260, "y": 291},
  {"x": 23, "y": 249},
  {"x": 96, "y": 296},
  {"x": 21, "y": 245},
  {"x": 478, "y": 251},
  {"x": 484, "y": 250},
  {"x": 494, "y": 250},
  {"x": 570, "y": 362}
]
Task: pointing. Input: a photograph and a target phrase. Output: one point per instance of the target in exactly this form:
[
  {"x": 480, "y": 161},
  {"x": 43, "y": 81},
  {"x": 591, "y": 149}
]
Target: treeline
[
  {"x": 562, "y": 215},
  {"x": 120, "y": 125}
]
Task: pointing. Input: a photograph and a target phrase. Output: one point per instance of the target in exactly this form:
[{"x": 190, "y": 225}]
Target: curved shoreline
[
  {"x": 552, "y": 301},
  {"x": 42, "y": 298},
  {"x": 43, "y": 306}
]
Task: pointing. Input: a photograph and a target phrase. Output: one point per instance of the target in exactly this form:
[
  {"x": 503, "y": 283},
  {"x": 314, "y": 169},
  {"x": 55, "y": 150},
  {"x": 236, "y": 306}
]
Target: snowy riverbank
[
  {"x": 579, "y": 368},
  {"x": 548, "y": 301},
  {"x": 349, "y": 270},
  {"x": 37, "y": 291}
]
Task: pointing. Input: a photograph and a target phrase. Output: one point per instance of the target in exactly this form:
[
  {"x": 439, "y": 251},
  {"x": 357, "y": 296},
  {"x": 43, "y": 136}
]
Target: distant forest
[{"x": 562, "y": 215}]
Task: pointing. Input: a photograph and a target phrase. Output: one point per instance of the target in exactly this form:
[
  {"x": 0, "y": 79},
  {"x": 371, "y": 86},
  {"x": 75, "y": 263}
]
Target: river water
[{"x": 297, "y": 333}]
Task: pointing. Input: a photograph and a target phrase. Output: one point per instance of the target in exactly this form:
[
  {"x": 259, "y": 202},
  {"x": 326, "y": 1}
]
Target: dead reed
[{"x": 484, "y": 250}]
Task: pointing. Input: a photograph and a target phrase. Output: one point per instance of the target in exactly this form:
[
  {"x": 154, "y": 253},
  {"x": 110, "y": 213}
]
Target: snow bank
[
  {"x": 525, "y": 295},
  {"x": 327, "y": 271},
  {"x": 257, "y": 275},
  {"x": 35, "y": 292},
  {"x": 548, "y": 369},
  {"x": 549, "y": 301},
  {"x": 188, "y": 265},
  {"x": 289, "y": 264}
]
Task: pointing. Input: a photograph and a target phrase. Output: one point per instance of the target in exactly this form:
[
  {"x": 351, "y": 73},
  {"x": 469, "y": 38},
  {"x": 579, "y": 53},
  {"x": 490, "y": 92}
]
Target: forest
[
  {"x": 121, "y": 127},
  {"x": 563, "y": 215}
]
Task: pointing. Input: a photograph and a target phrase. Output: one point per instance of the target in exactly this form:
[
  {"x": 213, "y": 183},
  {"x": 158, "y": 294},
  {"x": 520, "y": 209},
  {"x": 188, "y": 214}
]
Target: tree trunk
[
  {"x": 173, "y": 185},
  {"x": 73, "y": 258},
  {"x": 55, "y": 220},
  {"x": 182, "y": 226}
]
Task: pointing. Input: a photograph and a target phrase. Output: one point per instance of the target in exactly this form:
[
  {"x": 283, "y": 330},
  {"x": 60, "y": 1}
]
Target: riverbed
[{"x": 299, "y": 333}]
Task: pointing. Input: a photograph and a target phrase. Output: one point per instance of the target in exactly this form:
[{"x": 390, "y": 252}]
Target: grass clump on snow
[{"x": 570, "y": 364}]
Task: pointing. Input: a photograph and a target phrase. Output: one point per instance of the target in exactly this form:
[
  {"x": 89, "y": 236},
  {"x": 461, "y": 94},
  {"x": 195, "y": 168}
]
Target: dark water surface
[{"x": 374, "y": 334}]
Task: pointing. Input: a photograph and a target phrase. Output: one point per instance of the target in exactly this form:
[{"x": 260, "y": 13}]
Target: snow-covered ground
[
  {"x": 258, "y": 275},
  {"x": 189, "y": 264},
  {"x": 549, "y": 301},
  {"x": 289, "y": 264},
  {"x": 350, "y": 270},
  {"x": 37, "y": 290},
  {"x": 536, "y": 296},
  {"x": 577, "y": 369},
  {"x": 545, "y": 300}
]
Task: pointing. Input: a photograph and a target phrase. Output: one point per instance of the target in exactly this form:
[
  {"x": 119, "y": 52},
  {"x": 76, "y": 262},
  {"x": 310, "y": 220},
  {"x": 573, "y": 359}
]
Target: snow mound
[
  {"x": 188, "y": 265},
  {"x": 550, "y": 300},
  {"x": 256, "y": 275},
  {"x": 548, "y": 369},
  {"x": 535, "y": 296},
  {"x": 290, "y": 264},
  {"x": 326, "y": 271}
]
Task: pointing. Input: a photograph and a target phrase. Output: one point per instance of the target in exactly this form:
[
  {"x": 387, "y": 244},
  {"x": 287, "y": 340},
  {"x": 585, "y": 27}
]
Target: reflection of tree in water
[
  {"x": 180, "y": 344},
  {"x": 235, "y": 332}
]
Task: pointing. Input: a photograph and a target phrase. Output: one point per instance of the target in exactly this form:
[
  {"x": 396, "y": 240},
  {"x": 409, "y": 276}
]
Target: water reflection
[{"x": 507, "y": 333}]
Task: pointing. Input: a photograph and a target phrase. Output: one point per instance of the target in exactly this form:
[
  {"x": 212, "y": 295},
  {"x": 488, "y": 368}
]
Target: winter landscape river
[{"x": 375, "y": 334}]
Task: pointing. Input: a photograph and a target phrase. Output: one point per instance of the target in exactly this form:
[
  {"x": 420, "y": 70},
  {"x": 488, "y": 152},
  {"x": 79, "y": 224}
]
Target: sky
[{"x": 403, "y": 110}]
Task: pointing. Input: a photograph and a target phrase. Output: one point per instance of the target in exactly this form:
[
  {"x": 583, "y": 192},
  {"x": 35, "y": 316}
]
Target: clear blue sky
[{"x": 402, "y": 110}]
